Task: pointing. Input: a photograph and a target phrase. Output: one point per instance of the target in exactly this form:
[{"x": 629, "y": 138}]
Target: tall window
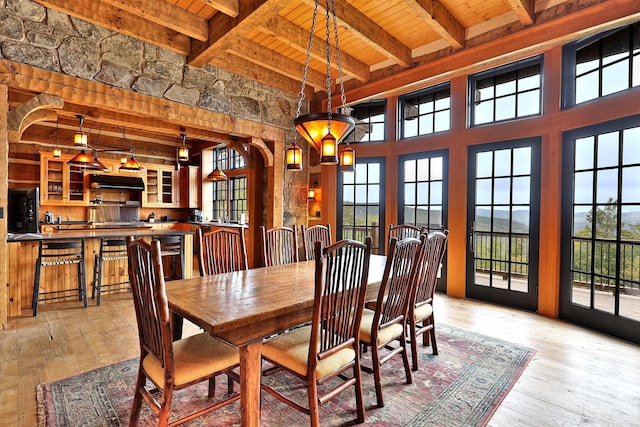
[
  {"x": 425, "y": 112},
  {"x": 602, "y": 65},
  {"x": 422, "y": 190},
  {"x": 507, "y": 93},
  {"x": 605, "y": 219},
  {"x": 370, "y": 122},
  {"x": 230, "y": 196},
  {"x": 361, "y": 203}
]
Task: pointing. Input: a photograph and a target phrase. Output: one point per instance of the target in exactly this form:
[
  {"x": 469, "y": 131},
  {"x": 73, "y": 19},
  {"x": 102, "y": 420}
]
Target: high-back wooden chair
[
  {"x": 169, "y": 365},
  {"x": 382, "y": 327},
  {"x": 402, "y": 231},
  {"x": 328, "y": 347},
  {"x": 221, "y": 251},
  {"x": 279, "y": 245},
  {"x": 315, "y": 233},
  {"x": 420, "y": 317}
]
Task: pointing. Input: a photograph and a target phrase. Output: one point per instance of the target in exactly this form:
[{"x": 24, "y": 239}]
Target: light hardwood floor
[{"x": 576, "y": 378}]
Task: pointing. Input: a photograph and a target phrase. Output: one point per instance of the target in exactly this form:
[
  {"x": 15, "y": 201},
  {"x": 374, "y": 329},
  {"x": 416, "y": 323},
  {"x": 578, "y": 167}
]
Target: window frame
[
  {"x": 569, "y": 51},
  {"x": 235, "y": 167},
  {"x": 351, "y": 137},
  {"x": 473, "y": 80},
  {"x": 427, "y": 91}
]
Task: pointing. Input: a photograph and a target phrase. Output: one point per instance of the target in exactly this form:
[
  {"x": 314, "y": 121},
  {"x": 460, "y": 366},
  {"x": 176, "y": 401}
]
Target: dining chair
[
  {"x": 279, "y": 245},
  {"x": 167, "y": 364},
  {"x": 384, "y": 325},
  {"x": 221, "y": 250},
  {"x": 328, "y": 347},
  {"x": 402, "y": 231},
  {"x": 315, "y": 233},
  {"x": 420, "y": 319}
]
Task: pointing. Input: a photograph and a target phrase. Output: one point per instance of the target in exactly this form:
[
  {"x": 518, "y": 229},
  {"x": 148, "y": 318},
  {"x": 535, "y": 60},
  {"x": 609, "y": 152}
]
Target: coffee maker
[{"x": 195, "y": 215}]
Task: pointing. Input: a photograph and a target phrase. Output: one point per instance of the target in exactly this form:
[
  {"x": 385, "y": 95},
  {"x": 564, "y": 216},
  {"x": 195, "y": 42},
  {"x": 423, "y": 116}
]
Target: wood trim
[{"x": 4, "y": 195}]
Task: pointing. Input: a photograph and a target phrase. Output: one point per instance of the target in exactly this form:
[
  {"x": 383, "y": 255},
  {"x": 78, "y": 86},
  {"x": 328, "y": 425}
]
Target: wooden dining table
[{"x": 243, "y": 308}]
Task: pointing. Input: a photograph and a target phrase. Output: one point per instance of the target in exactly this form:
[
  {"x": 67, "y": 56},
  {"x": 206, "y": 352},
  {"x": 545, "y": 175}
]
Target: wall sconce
[{"x": 312, "y": 191}]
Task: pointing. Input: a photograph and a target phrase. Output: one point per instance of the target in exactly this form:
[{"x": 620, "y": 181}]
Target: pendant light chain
[
  {"x": 329, "y": 9},
  {"x": 343, "y": 97},
  {"x": 306, "y": 64}
]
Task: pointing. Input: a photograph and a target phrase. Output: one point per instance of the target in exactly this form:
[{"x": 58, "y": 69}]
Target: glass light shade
[
  {"x": 81, "y": 159},
  {"x": 312, "y": 194},
  {"x": 347, "y": 160},
  {"x": 98, "y": 165},
  {"x": 329, "y": 150},
  {"x": 313, "y": 127},
  {"x": 57, "y": 153},
  {"x": 80, "y": 139},
  {"x": 217, "y": 175},
  {"x": 183, "y": 154},
  {"x": 294, "y": 157},
  {"x": 132, "y": 165}
]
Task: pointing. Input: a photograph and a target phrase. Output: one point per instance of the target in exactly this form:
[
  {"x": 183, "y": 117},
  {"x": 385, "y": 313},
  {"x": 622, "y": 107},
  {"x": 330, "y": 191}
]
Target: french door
[
  {"x": 503, "y": 223},
  {"x": 600, "y": 273},
  {"x": 361, "y": 203},
  {"x": 422, "y": 195}
]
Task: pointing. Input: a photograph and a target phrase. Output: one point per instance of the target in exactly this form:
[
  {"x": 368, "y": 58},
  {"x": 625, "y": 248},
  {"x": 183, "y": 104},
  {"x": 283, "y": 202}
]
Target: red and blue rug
[{"x": 462, "y": 386}]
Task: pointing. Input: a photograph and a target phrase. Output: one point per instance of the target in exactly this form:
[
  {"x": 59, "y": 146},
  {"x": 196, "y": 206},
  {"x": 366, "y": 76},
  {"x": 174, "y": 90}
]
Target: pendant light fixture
[
  {"x": 325, "y": 130},
  {"x": 217, "y": 175},
  {"x": 80, "y": 139},
  {"x": 131, "y": 164},
  {"x": 183, "y": 152},
  {"x": 347, "y": 159},
  {"x": 57, "y": 153}
]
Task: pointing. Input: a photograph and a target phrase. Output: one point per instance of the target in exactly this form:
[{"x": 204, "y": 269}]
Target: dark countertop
[{"x": 93, "y": 233}]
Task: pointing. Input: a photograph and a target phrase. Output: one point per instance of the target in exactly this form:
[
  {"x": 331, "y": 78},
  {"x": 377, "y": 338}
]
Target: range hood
[{"x": 116, "y": 182}]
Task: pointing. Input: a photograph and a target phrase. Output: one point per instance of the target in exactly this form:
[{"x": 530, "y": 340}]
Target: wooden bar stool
[
  {"x": 111, "y": 249},
  {"x": 172, "y": 247},
  {"x": 58, "y": 253}
]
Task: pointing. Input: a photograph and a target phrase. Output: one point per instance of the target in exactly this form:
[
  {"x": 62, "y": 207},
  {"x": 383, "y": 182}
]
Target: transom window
[
  {"x": 425, "y": 112},
  {"x": 507, "y": 93},
  {"x": 370, "y": 122},
  {"x": 229, "y": 196},
  {"x": 602, "y": 65}
]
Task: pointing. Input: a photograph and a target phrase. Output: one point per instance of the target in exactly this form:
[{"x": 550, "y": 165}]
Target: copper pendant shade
[{"x": 217, "y": 175}]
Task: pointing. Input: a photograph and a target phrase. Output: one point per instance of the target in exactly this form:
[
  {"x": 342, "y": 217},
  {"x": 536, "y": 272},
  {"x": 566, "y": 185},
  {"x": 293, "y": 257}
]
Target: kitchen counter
[{"x": 94, "y": 233}]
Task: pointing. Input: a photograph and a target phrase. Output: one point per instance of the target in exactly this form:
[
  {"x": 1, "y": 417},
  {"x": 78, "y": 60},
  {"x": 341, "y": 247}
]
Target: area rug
[{"x": 462, "y": 386}]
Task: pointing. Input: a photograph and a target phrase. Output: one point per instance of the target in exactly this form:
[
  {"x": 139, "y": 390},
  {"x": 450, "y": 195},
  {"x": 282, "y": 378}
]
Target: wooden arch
[{"x": 35, "y": 110}]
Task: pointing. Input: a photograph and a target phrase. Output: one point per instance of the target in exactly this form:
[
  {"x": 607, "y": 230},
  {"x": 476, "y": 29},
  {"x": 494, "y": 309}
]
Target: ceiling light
[
  {"x": 80, "y": 139},
  {"x": 217, "y": 175},
  {"x": 347, "y": 159},
  {"x": 294, "y": 157},
  {"x": 183, "y": 152},
  {"x": 325, "y": 130}
]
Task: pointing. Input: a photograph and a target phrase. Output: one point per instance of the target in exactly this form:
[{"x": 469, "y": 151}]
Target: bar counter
[{"x": 23, "y": 253}]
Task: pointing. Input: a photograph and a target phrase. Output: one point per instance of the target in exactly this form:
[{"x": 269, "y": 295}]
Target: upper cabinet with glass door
[
  {"x": 162, "y": 189},
  {"x": 61, "y": 183}
]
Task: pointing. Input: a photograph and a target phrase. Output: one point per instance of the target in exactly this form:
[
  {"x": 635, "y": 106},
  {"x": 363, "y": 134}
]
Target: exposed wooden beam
[
  {"x": 109, "y": 98},
  {"x": 228, "y": 7},
  {"x": 278, "y": 63},
  {"x": 255, "y": 72},
  {"x": 438, "y": 17},
  {"x": 165, "y": 14},
  {"x": 113, "y": 18},
  {"x": 224, "y": 32},
  {"x": 370, "y": 32},
  {"x": 525, "y": 10},
  {"x": 298, "y": 38}
]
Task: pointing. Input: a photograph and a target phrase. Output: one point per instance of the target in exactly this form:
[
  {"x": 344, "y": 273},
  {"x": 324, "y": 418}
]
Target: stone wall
[{"x": 44, "y": 38}]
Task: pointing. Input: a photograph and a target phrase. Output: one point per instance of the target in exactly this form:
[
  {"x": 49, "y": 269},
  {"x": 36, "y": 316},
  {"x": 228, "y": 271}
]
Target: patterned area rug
[{"x": 462, "y": 386}]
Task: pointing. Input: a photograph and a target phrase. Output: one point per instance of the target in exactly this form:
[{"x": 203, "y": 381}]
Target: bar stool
[
  {"x": 111, "y": 249},
  {"x": 172, "y": 247},
  {"x": 59, "y": 253}
]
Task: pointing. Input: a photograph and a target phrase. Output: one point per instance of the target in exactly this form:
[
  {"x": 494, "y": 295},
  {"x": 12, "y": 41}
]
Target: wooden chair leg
[{"x": 36, "y": 290}]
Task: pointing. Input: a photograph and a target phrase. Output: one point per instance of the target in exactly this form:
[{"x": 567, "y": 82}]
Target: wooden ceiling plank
[
  {"x": 273, "y": 61},
  {"x": 371, "y": 33},
  {"x": 115, "y": 19},
  {"x": 224, "y": 32},
  {"x": 438, "y": 17},
  {"x": 165, "y": 14},
  {"x": 101, "y": 96},
  {"x": 298, "y": 38},
  {"x": 525, "y": 9},
  {"x": 228, "y": 7}
]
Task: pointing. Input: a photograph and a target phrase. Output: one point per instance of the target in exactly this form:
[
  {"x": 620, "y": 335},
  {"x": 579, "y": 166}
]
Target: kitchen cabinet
[
  {"x": 190, "y": 187},
  {"x": 162, "y": 187},
  {"x": 61, "y": 183}
]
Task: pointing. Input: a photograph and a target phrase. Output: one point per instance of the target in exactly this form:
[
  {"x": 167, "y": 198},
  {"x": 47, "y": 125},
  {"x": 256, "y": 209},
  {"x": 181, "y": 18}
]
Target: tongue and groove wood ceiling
[{"x": 267, "y": 40}]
